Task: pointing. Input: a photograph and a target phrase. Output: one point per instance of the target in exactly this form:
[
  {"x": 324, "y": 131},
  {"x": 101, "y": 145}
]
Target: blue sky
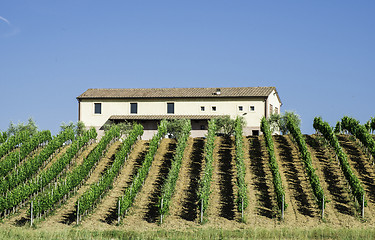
[{"x": 320, "y": 55}]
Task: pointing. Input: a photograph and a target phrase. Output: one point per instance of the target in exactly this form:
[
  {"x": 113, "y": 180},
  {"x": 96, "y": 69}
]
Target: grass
[{"x": 253, "y": 233}]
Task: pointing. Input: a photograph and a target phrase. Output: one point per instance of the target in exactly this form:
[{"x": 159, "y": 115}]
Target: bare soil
[
  {"x": 184, "y": 209},
  {"x": 364, "y": 170},
  {"x": 67, "y": 213},
  {"x": 262, "y": 204},
  {"x": 105, "y": 212},
  {"x": 339, "y": 209},
  {"x": 145, "y": 211},
  {"x": 302, "y": 208},
  {"x": 302, "y": 212},
  {"x": 222, "y": 206},
  {"x": 21, "y": 217}
]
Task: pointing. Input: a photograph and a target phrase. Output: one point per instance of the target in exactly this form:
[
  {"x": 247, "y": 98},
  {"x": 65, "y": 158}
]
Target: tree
[
  {"x": 226, "y": 125},
  {"x": 65, "y": 126},
  {"x": 80, "y": 128},
  {"x": 274, "y": 122},
  {"x": 283, "y": 121},
  {"x": 175, "y": 127},
  {"x": 279, "y": 122},
  {"x": 30, "y": 126}
]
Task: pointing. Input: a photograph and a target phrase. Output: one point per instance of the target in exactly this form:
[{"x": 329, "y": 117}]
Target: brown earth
[
  {"x": 302, "y": 211},
  {"x": 66, "y": 214},
  {"x": 144, "y": 213},
  {"x": 184, "y": 209},
  {"x": 21, "y": 217},
  {"x": 222, "y": 204},
  {"x": 363, "y": 168},
  {"x": 339, "y": 208},
  {"x": 302, "y": 208},
  {"x": 261, "y": 210},
  {"x": 105, "y": 212}
]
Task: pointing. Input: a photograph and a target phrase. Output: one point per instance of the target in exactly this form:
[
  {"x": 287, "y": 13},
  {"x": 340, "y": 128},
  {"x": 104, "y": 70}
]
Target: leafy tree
[
  {"x": 80, "y": 128},
  {"x": 125, "y": 127},
  {"x": 14, "y": 129},
  {"x": 279, "y": 122},
  {"x": 65, "y": 126},
  {"x": 274, "y": 122},
  {"x": 175, "y": 127}
]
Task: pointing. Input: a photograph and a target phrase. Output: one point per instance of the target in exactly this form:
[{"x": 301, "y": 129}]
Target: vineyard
[{"x": 227, "y": 181}]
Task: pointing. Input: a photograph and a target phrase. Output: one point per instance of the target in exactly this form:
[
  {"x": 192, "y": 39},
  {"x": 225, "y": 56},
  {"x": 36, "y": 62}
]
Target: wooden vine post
[
  {"x": 78, "y": 213},
  {"x": 323, "y": 203},
  {"x": 282, "y": 207},
  {"x": 31, "y": 214},
  {"x": 118, "y": 213},
  {"x": 363, "y": 206}
]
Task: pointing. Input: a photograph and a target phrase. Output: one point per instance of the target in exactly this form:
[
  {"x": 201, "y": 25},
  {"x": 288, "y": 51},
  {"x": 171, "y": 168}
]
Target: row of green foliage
[
  {"x": 360, "y": 132},
  {"x": 370, "y": 125},
  {"x": 127, "y": 199},
  {"x": 12, "y": 159},
  {"x": 205, "y": 183},
  {"x": 23, "y": 191},
  {"x": 326, "y": 130},
  {"x": 13, "y": 141},
  {"x": 91, "y": 196},
  {"x": 306, "y": 157},
  {"x": 31, "y": 165},
  {"x": 3, "y": 137},
  {"x": 242, "y": 198},
  {"x": 170, "y": 183},
  {"x": 277, "y": 182},
  {"x": 49, "y": 198}
]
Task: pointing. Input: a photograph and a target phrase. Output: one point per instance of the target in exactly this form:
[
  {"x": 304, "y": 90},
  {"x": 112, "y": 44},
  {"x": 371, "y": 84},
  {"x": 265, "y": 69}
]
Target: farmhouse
[{"x": 148, "y": 106}]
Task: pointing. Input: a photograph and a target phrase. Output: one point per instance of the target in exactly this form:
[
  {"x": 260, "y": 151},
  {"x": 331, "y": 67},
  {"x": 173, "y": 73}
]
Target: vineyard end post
[
  {"x": 201, "y": 210},
  {"x": 31, "y": 213},
  {"x": 363, "y": 205},
  {"x": 78, "y": 213},
  {"x": 282, "y": 207},
  {"x": 323, "y": 207},
  {"x": 118, "y": 212}
]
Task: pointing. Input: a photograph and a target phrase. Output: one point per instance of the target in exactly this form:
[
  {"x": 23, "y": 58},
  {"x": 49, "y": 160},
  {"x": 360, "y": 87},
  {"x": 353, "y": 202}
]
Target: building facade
[{"x": 97, "y": 107}]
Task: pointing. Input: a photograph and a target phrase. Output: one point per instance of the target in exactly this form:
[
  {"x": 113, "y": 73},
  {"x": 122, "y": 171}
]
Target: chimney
[{"x": 218, "y": 91}]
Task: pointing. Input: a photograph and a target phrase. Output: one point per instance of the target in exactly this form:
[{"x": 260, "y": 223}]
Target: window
[
  {"x": 97, "y": 108},
  {"x": 213, "y": 108},
  {"x": 240, "y": 108},
  {"x": 271, "y": 109},
  {"x": 170, "y": 108},
  {"x": 276, "y": 110},
  {"x": 134, "y": 108},
  {"x": 252, "y": 108},
  {"x": 202, "y": 108}
]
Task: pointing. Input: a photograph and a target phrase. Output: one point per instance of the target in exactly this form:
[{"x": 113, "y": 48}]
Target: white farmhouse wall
[{"x": 181, "y": 106}]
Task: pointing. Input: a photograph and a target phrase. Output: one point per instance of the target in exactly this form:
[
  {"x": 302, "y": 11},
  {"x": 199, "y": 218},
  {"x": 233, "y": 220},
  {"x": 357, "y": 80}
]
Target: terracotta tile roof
[
  {"x": 176, "y": 92},
  {"x": 160, "y": 117}
]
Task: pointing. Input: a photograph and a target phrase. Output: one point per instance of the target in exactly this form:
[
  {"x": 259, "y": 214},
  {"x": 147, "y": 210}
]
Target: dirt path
[
  {"x": 105, "y": 213},
  {"x": 302, "y": 208},
  {"x": 339, "y": 207},
  {"x": 66, "y": 214},
  {"x": 184, "y": 208},
  {"x": 262, "y": 204},
  {"x": 145, "y": 212},
  {"x": 362, "y": 167},
  {"x": 222, "y": 207}
]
